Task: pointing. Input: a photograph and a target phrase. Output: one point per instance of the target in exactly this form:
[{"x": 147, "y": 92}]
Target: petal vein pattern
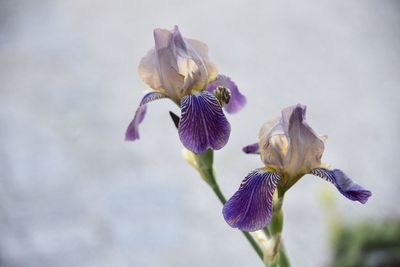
[
  {"x": 203, "y": 124},
  {"x": 344, "y": 184},
  {"x": 250, "y": 208}
]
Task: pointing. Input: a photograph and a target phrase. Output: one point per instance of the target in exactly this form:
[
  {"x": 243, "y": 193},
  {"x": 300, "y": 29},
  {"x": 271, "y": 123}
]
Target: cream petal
[
  {"x": 305, "y": 147},
  {"x": 290, "y": 145},
  {"x": 272, "y": 141},
  {"x": 202, "y": 51},
  {"x": 148, "y": 71},
  {"x": 167, "y": 63},
  {"x": 176, "y": 66}
]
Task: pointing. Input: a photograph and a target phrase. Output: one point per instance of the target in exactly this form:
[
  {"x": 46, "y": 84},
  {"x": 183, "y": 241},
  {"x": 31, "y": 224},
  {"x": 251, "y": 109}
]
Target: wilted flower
[
  {"x": 289, "y": 150},
  {"x": 179, "y": 69}
]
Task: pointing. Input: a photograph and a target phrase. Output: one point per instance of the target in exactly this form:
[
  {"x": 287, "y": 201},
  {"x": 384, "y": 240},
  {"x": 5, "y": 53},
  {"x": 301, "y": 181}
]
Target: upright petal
[
  {"x": 250, "y": 208},
  {"x": 305, "y": 146},
  {"x": 344, "y": 184},
  {"x": 167, "y": 61},
  {"x": 203, "y": 124},
  {"x": 176, "y": 66},
  {"x": 237, "y": 100},
  {"x": 132, "y": 133},
  {"x": 149, "y": 71},
  {"x": 274, "y": 152},
  {"x": 202, "y": 50},
  {"x": 273, "y": 144}
]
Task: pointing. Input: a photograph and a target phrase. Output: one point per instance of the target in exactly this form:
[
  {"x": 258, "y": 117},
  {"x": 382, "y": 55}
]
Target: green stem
[
  {"x": 283, "y": 259},
  {"x": 280, "y": 258},
  {"x": 249, "y": 238},
  {"x": 267, "y": 232},
  {"x": 203, "y": 163}
]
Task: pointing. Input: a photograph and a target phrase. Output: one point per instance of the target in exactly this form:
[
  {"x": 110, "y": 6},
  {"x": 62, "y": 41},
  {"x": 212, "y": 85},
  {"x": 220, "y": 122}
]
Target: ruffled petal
[
  {"x": 176, "y": 66},
  {"x": 149, "y": 71},
  {"x": 203, "y": 124},
  {"x": 237, "y": 100},
  {"x": 202, "y": 50},
  {"x": 252, "y": 149},
  {"x": 250, "y": 208},
  {"x": 305, "y": 147},
  {"x": 273, "y": 144},
  {"x": 273, "y": 152},
  {"x": 344, "y": 184},
  {"x": 167, "y": 61},
  {"x": 132, "y": 133}
]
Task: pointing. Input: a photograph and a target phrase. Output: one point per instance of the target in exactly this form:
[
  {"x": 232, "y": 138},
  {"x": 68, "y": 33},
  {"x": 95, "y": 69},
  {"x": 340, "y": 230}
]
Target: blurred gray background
[{"x": 73, "y": 193}]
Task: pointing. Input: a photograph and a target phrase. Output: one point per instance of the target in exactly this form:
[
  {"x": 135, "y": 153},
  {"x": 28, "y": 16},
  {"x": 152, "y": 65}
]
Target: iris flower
[
  {"x": 289, "y": 149},
  {"x": 179, "y": 69}
]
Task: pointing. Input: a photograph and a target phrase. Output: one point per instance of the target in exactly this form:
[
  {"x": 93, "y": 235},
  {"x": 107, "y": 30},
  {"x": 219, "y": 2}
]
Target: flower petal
[
  {"x": 149, "y": 71},
  {"x": 273, "y": 144},
  {"x": 202, "y": 50},
  {"x": 132, "y": 133},
  {"x": 176, "y": 66},
  {"x": 203, "y": 124},
  {"x": 237, "y": 100},
  {"x": 252, "y": 149},
  {"x": 305, "y": 147},
  {"x": 167, "y": 61},
  {"x": 344, "y": 184},
  {"x": 250, "y": 208}
]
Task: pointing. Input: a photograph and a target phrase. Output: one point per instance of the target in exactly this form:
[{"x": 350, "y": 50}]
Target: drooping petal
[
  {"x": 237, "y": 100},
  {"x": 250, "y": 208},
  {"x": 252, "y": 149},
  {"x": 132, "y": 133},
  {"x": 203, "y": 124},
  {"x": 305, "y": 147},
  {"x": 344, "y": 184}
]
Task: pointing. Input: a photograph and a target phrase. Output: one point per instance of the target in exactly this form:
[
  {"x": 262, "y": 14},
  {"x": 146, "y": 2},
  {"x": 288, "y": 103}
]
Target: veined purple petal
[
  {"x": 344, "y": 184},
  {"x": 203, "y": 124},
  {"x": 132, "y": 133},
  {"x": 237, "y": 100},
  {"x": 252, "y": 149},
  {"x": 250, "y": 208}
]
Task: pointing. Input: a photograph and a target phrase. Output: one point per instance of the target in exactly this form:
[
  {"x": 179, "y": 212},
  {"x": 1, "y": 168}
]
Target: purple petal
[
  {"x": 203, "y": 124},
  {"x": 132, "y": 133},
  {"x": 252, "y": 149},
  {"x": 250, "y": 208},
  {"x": 344, "y": 184},
  {"x": 237, "y": 100}
]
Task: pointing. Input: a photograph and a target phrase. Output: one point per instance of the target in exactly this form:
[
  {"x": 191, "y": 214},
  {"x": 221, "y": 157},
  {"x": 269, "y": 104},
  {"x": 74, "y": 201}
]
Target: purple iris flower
[
  {"x": 289, "y": 149},
  {"x": 179, "y": 69}
]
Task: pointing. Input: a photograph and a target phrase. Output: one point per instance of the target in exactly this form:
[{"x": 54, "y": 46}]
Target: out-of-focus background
[{"x": 73, "y": 193}]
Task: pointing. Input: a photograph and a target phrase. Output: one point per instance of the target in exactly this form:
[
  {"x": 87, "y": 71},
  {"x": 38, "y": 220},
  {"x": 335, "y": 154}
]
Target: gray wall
[{"x": 73, "y": 193}]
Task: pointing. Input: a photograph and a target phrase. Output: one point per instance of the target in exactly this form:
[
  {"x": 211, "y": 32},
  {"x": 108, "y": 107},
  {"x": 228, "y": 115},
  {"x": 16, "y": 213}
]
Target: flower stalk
[
  {"x": 275, "y": 255},
  {"x": 203, "y": 163}
]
